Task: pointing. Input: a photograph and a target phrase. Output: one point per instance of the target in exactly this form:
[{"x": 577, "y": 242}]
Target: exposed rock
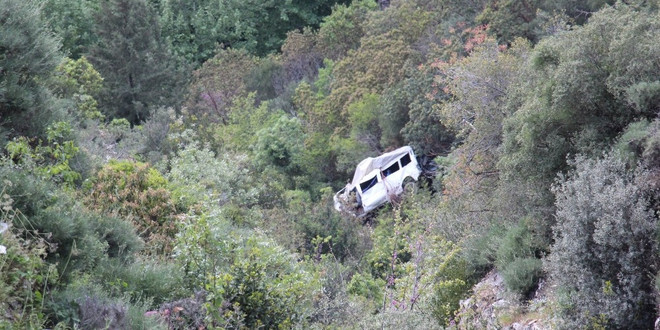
[{"x": 492, "y": 307}]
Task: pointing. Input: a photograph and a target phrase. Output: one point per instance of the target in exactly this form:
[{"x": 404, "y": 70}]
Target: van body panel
[{"x": 376, "y": 181}]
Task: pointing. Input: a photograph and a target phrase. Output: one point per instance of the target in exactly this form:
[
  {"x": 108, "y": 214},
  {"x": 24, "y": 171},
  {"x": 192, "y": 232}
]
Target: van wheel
[{"x": 410, "y": 186}]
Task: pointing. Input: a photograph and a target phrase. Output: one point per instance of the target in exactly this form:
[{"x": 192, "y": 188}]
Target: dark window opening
[
  {"x": 393, "y": 168},
  {"x": 366, "y": 185},
  {"x": 405, "y": 160}
]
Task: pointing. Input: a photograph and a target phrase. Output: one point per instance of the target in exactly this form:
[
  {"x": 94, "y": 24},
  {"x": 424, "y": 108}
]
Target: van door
[
  {"x": 393, "y": 177},
  {"x": 373, "y": 191}
]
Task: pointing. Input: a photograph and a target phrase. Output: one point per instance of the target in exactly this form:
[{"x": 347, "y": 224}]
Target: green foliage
[
  {"x": 250, "y": 280},
  {"x": 267, "y": 78},
  {"x": 28, "y": 55},
  {"x": 452, "y": 284},
  {"x": 280, "y": 145},
  {"x": 236, "y": 202},
  {"x": 575, "y": 105},
  {"x": 86, "y": 304},
  {"x": 79, "y": 81},
  {"x": 78, "y": 239},
  {"x": 51, "y": 159},
  {"x": 632, "y": 142},
  {"x": 341, "y": 31},
  {"x": 314, "y": 228},
  {"x": 142, "y": 279},
  {"x": 363, "y": 139},
  {"x": 137, "y": 192},
  {"x": 517, "y": 259},
  {"x": 73, "y": 22},
  {"x": 217, "y": 83},
  {"x": 263, "y": 287},
  {"x": 522, "y": 274},
  {"x": 604, "y": 239},
  {"x": 424, "y": 273},
  {"x": 24, "y": 276},
  {"x": 204, "y": 246},
  {"x": 197, "y": 176},
  {"x": 196, "y": 28},
  {"x": 127, "y": 30},
  {"x": 509, "y": 20},
  {"x": 301, "y": 57},
  {"x": 245, "y": 119},
  {"x": 572, "y": 100},
  {"x": 418, "y": 123},
  {"x": 366, "y": 286}
]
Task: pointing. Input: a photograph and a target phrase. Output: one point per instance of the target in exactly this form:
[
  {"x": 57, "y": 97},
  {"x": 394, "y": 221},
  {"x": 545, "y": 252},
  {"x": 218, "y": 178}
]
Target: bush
[
  {"x": 51, "y": 159},
  {"x": 605, "y": 243},
  {"x": 366, "y": 286},
  {"x": 517, "y": 259},
  {"x": 23, "y": 277},
  {"x": 84, "y": 304},
  {"x": 250, "y": 281},
  {"x": 136, "y": 191},
  {"x": 198, "y": 176},
  {"x": 78, "y": 239},
  {"x": 521, "y": 275},
  {"x": 345, "y": 238},
  {"x": 158, "y": 281}
]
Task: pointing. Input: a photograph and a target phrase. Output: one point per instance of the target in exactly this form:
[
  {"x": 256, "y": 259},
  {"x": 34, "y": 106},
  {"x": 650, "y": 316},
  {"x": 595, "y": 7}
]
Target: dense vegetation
[{"x": 171, "y": 164}]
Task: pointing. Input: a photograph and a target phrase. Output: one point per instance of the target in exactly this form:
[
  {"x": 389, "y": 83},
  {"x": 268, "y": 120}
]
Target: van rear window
[
  {"x": 405, "y": 160},
  {"x": 366, "y": 185},
  {"x": 393, "y": 168}
]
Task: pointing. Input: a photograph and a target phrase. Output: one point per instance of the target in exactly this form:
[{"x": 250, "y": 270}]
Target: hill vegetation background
[{"x": 171, "y": 164}]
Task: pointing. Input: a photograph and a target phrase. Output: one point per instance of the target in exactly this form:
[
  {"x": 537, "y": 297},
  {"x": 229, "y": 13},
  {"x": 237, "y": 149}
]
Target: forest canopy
[{"x": 172, "y": 164}]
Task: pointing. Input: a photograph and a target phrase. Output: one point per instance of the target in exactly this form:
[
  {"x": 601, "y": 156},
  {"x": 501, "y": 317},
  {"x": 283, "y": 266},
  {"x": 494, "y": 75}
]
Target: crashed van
[{"x": 377, "y": 181}]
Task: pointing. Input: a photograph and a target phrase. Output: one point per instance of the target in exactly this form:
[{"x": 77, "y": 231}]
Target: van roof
[{"x": 369, "y": 164}]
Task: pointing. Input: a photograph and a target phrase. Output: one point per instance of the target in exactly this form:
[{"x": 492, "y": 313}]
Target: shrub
[
  {"x": 345, "y": 238},
  {"x": 78, "y": 239},
  {"x": 198, "y": 176},
  {"x": 23, "y": 275},
  {"x": 517, "y": 261},
  {"x": 366, "y": 286},
  {"x": 137, "y": 191},
  {"x": 605, "y": 245},
  {"x": 158, "y": 281},
  {"x": 258, "y": 291},
  {"x": 250, "y": 281},
  {"x": 84, "y": 304},
  {"x": 51, "y": 159},
  {"x": 522, "y": 274}
]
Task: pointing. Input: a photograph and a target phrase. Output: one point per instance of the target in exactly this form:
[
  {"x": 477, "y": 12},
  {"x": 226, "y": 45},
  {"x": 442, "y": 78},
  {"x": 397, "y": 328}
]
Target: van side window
[
  {"x": 405, "y": 160},
  {"x": 393, "y": 168},
  {"x": 366, "y": 185}
]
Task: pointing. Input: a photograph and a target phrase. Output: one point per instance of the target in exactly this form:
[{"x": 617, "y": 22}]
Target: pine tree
[
  {"x": 29, "y": 53},
  {"x": 137, "y": 67}
]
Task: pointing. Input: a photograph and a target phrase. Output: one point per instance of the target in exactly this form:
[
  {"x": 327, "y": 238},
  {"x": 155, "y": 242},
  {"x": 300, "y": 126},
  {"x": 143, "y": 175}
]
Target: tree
[
  {"x": 79, "y": 81},
  {"x": 341, "y": 31},
  {"x": 72, "y": 21},
  {"x": 196, "y": 28},
  {"x": 509, "y": 19},
  {"x": 133, "y": 59},
  {"x": 581, "y": 91},
  {"x": 605, "y": 246},
  {"x": 29, "y": 54},
  {"x": 217, "y": 83}
]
